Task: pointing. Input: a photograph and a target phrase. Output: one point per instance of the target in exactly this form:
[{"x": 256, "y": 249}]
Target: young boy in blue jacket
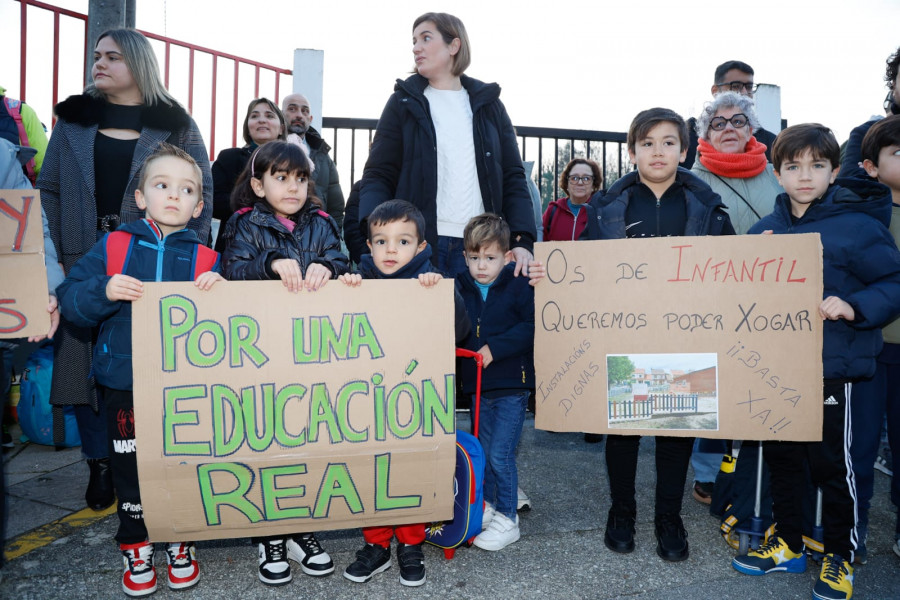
[
  {"x": 398, "y": 250},
  {"x": 861, "y": 280},
  {"x": 99, "y": 290},
  {"x": 501, "y": 309}
]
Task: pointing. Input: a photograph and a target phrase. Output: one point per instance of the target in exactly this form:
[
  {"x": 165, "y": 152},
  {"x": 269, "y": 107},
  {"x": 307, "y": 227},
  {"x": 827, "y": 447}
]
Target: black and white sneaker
[
  {"x": 274, "y": 568},
  {"x": 370, "y": 561},
  {"x": 306, "y": 550},
  {"x": 412, "y": 564}
]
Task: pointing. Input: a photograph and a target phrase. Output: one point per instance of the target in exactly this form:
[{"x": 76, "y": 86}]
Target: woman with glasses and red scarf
[{"x": 733, "y": 162}]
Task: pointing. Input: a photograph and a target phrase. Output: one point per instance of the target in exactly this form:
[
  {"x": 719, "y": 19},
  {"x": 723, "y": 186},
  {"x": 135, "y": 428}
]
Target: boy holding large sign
[
  {"x": 658, "y": 199},
  {"x": 99, "y": 290},
  {"x": 862, "y": 292},
  {"x": 398, "y": 251}
]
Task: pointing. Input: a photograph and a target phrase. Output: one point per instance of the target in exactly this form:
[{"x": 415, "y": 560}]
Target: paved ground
[{"x": 62, "y": 550}]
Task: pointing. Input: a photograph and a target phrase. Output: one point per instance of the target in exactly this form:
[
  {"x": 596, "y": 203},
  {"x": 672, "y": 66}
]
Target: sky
[{"x": 579, "y": 65}]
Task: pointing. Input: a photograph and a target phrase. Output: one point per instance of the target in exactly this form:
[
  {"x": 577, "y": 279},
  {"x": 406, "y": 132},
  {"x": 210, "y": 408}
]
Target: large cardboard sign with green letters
[{"x": 262, "y": 412}]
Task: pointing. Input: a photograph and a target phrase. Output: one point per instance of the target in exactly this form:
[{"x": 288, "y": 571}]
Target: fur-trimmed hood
[{"x": 86, "y": 110}]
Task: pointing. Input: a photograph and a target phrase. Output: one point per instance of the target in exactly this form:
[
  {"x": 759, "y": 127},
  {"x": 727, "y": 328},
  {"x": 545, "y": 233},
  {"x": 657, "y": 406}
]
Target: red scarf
[{"x": 750, "y": 163}]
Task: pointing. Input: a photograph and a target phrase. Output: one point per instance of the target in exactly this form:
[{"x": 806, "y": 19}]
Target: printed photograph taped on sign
[
  {"x": 749, "y": 303},
  {"x": 662, "y": 391},
  {"x": 262, "y": 412}
]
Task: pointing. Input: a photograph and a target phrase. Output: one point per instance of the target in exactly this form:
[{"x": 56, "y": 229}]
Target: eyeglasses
[
  {"x": 737, "y": 86},
  {"x": 581, "y": 179},
  {"x": 737, "y": 121}
]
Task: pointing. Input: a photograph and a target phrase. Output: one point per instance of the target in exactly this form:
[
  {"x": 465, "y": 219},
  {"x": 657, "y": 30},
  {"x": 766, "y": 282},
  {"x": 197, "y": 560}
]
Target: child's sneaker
[
  {"x": 306, "y": 550},
  {"x": 370, "y": 561},
  {"x": 412, "y": 564},
  {"x": 274, "y": 569},
  {"x": 488, "y": 515},
  {"x": 500, "y": 533},
  {"x": 139, "y": 578},
  {"x": 835, "y": 580},
  {"x": 183, "y": 571},
  {"x": 774, "y": 555},
  {"x": 523, "y": 503},
  {"x": 671, "y": 538}
]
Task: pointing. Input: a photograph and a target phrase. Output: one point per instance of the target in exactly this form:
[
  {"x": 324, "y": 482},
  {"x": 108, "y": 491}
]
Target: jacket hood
[
  {"x": 697, "y": 186},
  {"x": 845, "y": 195},
  {"x": 86, "y": 111},
  {"x": 420, "y": 263},
  {"x": 480, "y": 93},
  {"x": 506, "y": 275}
]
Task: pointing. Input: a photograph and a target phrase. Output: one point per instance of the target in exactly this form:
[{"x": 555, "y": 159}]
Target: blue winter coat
[
  {"x": 706, "y": 214},
  {"x": 861, "y": 267},
  {"x": 505, "y": 322},
  {"x": 403, "y": 160},
  {"x": 83, "y": 301}
]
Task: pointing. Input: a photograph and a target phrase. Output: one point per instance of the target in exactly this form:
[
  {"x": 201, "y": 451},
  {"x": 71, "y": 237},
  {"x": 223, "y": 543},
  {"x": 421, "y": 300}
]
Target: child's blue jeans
[{"x": 499, "y": 430}]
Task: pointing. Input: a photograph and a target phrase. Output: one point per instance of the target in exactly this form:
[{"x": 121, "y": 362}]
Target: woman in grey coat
[{"x": 87, "y": 185}]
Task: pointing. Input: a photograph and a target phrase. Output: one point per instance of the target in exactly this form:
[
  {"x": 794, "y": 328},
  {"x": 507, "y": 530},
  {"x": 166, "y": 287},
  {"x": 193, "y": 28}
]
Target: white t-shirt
[{"x": 458, "y": 191}]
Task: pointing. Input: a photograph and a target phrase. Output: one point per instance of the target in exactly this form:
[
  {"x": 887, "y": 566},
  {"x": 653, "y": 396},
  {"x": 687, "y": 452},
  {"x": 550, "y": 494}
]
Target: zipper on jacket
[
  {"x": 657, "y": 218},
  {"x": 160, "y": 250}
]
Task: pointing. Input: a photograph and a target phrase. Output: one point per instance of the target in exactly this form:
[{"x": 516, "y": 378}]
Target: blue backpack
[
  {"x": 35, "y": 412},
  {"x": 468, "y": 502}
]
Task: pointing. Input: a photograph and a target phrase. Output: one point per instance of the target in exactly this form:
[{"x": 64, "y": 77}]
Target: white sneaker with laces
[
  {"x": 500, "y": 533},
  {"x": 488, "y": 516}
]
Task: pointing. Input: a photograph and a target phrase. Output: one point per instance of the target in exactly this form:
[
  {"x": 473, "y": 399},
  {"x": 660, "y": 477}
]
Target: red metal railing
[{"x": 209, "y": 131}]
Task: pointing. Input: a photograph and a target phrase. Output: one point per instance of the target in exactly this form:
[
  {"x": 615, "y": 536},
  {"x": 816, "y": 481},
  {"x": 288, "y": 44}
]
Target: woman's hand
[
  {"x": 124, "y": 287},
  {"x": 536, "y": 272},
  {"x": 833, "y": 308},
  {"x": 288, "y": 269},
  {"x": 317, "y": 275},
  {"x": 523, "y": 259}
]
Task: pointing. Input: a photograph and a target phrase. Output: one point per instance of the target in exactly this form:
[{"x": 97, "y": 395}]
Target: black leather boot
[{"x": 99, "y": 494}]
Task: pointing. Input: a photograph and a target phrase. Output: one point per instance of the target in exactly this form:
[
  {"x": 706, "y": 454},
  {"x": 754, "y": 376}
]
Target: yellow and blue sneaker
[
  {"x": 835, "y": 580},
  {"x": 774, "y": 555}
]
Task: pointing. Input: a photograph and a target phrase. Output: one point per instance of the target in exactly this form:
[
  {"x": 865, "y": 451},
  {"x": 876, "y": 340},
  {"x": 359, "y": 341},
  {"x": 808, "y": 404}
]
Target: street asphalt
[{"x": 58, "y": 549}]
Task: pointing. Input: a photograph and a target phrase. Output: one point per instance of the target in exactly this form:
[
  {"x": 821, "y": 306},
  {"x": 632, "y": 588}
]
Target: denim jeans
[
  {"x": 499, "y": 430},
  {"x": 707, "y": 458},
  {"x": 450, "y": 258}
]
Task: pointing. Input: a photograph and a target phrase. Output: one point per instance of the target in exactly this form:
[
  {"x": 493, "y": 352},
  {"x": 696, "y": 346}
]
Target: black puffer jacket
[
  {"x": 255, "y": 238},
  {"x": 403, "y": 160}
]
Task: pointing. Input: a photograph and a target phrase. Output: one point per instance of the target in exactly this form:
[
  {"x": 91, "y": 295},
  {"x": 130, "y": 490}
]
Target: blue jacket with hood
[
  {"x": 861, "y": 267},
  {"x": 83, "y": 301}
]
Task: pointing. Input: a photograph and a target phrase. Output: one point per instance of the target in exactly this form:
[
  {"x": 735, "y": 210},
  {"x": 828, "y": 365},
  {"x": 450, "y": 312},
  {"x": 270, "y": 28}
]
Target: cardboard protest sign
[
  {"x": 717, "y": 337},
  {"x": 23, "y": 284},
  {"x": 262, "y": 412}
]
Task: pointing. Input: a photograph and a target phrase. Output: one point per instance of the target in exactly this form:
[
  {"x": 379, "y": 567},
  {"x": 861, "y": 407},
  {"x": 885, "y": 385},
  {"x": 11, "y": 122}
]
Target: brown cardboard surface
[
  {"x": 23, "y": 276},
  {"x": 268, "y": 435},
  {"x": 717, "y": 337}
]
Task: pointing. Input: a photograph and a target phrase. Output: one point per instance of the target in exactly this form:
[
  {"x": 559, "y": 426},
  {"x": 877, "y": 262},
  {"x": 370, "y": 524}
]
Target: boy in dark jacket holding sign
[
  {"x": 862, "y": 292},
  {"x": 99, "y": 291},
  {"x": 501, "y": 309}
]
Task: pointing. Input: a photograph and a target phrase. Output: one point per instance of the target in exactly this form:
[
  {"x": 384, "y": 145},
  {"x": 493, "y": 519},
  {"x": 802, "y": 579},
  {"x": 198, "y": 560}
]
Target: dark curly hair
[{"x": 890, "y": 73}]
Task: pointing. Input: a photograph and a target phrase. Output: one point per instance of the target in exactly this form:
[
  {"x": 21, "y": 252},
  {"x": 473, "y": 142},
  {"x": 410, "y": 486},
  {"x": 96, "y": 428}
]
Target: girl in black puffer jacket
[{"x": 279, "y": 230}]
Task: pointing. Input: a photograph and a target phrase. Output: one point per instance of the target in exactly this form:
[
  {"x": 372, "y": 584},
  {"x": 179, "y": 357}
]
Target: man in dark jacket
[{"x": 328, "y": 185}]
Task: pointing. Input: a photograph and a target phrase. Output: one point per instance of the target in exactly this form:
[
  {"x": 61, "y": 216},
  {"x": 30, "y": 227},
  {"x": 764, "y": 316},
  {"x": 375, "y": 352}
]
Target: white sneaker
[
  {"x": 488, "y": 516},
  {"x": 523, "y": 503},
  {"x": 500, "y": 533}
]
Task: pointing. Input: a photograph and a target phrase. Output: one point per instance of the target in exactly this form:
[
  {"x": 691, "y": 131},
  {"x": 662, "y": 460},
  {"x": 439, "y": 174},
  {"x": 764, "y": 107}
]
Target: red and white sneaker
[
  {"x": 139, "y": 578},
  {"x": 184, "y": 570}
]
